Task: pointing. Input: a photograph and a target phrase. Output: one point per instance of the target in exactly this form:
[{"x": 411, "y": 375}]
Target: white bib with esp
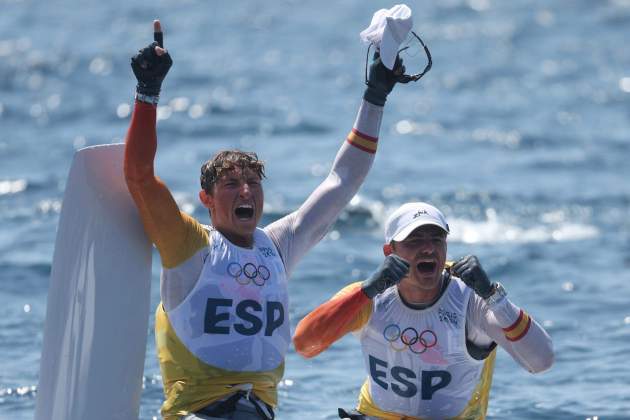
[
  {"x": 417, "y": 360},
  {"x": 236, "y": 316}
]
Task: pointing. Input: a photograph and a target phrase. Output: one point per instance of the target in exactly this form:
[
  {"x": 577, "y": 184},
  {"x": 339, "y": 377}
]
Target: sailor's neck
[
  {"x": 243, "y": 241},
  {"x": 423, "y": 299}
]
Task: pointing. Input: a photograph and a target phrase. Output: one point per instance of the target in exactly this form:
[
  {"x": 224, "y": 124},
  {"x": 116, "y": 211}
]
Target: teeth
[{"x": 244, "y": 211}]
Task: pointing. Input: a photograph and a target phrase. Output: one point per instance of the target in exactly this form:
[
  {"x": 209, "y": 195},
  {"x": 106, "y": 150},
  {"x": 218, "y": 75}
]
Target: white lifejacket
[
  {"x": 417, "y": 360},
  {"x": 236, "y": 316}
]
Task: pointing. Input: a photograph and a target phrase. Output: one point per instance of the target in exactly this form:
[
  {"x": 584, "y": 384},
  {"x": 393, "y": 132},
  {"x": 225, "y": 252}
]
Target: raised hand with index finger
[{"x": 150, "y": 66}]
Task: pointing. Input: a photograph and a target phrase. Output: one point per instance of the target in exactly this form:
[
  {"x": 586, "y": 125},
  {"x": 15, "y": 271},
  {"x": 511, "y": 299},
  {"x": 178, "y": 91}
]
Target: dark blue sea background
[{"x": 520, "y": 134}]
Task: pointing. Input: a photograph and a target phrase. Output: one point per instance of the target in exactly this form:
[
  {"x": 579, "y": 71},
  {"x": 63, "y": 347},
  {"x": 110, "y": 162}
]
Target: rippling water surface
[{"x": 520, "y": 133}]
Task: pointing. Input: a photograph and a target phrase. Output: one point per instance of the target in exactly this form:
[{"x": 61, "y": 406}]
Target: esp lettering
[
  {"x": 251, "y": 312},
  {"x": 403, "y": 383}
]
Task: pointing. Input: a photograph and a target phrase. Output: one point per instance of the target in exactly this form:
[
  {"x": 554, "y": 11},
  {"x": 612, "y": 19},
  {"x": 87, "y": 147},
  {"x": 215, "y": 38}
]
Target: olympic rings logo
[
  {"x": 248, "y": 273},
  {"x": 400, "y": 340}
]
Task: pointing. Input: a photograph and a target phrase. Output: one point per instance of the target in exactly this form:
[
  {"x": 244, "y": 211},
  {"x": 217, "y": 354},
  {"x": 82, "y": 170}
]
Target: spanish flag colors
[
  {"x": 518, "y": 330},
  {"x": 362, "y": 141}
]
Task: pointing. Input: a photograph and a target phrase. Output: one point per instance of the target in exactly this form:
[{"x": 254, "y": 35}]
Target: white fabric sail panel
[{"x": 98, "y": 299}]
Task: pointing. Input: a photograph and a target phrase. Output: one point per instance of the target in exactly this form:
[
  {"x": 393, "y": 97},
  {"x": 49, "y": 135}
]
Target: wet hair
[{"x": 226, "y": 161}]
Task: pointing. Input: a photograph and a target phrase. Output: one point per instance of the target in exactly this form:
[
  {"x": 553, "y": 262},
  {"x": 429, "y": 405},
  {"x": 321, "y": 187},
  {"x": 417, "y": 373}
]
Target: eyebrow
[{"x": 228, "y": 179}]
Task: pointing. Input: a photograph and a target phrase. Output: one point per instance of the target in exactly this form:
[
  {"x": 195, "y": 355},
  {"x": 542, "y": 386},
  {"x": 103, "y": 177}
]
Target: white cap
[
  {"x": 409, "y": 217},
  {"x": 388, "y": 29}
]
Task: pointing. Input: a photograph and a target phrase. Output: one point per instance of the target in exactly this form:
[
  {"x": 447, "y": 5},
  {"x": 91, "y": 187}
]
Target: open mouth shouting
[
  {"x": 244, "y": 212},
  {"x": 426, "y": 267}
]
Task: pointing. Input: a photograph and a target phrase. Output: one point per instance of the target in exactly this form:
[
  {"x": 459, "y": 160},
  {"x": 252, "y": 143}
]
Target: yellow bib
[{"x": 190, "y": 384}]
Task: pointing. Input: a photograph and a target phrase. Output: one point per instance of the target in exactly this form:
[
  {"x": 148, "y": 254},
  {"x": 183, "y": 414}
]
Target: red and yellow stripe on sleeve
[
  {"x": 520, "y": 327},
  {"x": 362, "y": 141}
]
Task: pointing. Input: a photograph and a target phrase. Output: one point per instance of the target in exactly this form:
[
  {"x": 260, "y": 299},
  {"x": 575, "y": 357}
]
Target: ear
[
  {"x": 387, "y": 249},
  {"x": 206, "y": 199}
]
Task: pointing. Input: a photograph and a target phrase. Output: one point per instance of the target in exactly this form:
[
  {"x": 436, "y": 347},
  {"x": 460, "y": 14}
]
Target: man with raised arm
[
  {"x": 222, "y": 327},
  {"x": 428, "y": 329}
]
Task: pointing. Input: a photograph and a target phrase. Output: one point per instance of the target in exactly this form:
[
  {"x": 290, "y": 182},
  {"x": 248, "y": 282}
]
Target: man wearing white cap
[{"x": 428, "y": 329}]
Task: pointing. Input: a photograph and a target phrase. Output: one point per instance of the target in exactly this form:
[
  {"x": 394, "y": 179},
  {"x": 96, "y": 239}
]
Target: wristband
[
  {"x": 498, "y": 294},
  {"x": 148, "y": 99}
]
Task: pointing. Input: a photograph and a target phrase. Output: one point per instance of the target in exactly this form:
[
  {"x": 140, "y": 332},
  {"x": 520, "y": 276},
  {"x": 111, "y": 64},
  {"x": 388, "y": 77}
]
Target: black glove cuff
[
  {"x": 367, "y": 292},
  {"x": 375, "y": 286},
  {"x": 374, "y": 96},
  {"x": 487, "y": 290},
  {"x": 148, "y": 90}
]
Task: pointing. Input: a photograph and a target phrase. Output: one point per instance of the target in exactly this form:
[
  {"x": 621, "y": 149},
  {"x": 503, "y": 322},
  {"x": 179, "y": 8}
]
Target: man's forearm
[
  {"x": 162, "y": 220},
  {"x": 298, "y": 232},
  {"x": 141, "y": 144},
  {"x": 329, "y": 322},
  {"x": 366, "y": 127},
  {"x": 521, "y": 336}
]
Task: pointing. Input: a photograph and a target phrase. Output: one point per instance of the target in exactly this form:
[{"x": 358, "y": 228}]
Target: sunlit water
[{"x": 520, "y": 133}]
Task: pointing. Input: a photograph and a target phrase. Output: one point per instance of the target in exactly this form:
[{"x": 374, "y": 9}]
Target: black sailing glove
[
  {"x": 381, "y": 80},
  {"x": 469, "y": 270},
  {"x": 389, "y": 273},
  {"x": 150, "y": 68}
]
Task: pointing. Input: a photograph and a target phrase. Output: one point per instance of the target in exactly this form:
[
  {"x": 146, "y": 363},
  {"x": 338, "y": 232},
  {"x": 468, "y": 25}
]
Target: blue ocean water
[{"x": 520, "y": 133}]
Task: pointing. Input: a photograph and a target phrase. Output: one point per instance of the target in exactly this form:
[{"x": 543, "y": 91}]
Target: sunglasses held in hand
[{"x": 405, "y": 78}]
